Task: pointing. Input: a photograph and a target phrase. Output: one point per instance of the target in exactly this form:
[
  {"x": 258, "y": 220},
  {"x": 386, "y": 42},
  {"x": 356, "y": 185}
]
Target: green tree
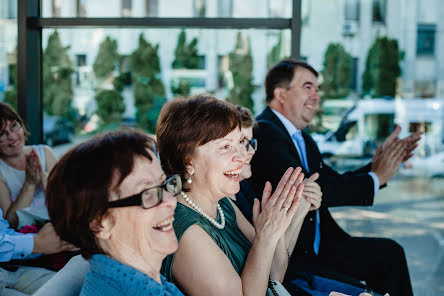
[
  {"x": 57, "y": 82},
  {"x": 107, "y": 58},
  {"x": 337, "y": 72},
  {"x": 241, "y": 67},
  {"x": 149, "y": 92},
  {"x": 11, "y": 94},
  {"x": 276, "y": 54},
  {"x": 185, "y": 57},
  {"x": 110, "y": 105},
  {"x": 382, "y": 68}
]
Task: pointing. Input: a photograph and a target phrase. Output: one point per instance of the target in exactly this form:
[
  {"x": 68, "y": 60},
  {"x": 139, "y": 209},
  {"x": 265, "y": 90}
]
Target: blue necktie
[{"x": 300, "y": 142}]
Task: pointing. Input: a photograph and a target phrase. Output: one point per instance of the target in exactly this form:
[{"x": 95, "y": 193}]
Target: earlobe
[
  {"x": 190, "y": 169},
  {"x": 102, "y": 228}
]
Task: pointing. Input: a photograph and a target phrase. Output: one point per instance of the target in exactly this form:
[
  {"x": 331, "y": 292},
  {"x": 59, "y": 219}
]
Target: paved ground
[{"x": 410, "y": 211}]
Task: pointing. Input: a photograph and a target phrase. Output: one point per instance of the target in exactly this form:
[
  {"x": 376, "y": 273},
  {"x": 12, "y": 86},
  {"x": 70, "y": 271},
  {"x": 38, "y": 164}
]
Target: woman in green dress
[{"x": 220, "y": 252}]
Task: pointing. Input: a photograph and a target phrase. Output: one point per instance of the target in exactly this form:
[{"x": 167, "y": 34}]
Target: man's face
[{"x": 301, "y": 98}]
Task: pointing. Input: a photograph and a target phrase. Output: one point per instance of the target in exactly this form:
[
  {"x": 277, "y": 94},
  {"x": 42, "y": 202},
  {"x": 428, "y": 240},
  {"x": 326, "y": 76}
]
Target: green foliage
[
  {"x": 107, "y": 58},
  {"x": 186, "y": 55},
  {"x": 241, "y": 67},
  {"x": 11, "y": 94},
  {"x": 148, "y": 87},
  {"x": 57, "y": 84},
  {"x": 337, "y": 72},
  {"x": 110, "y": 106},
  {"x": 382, "y": 68},
  {"x": 182, "y": 89},
  {"x": 275, "y": 54}
]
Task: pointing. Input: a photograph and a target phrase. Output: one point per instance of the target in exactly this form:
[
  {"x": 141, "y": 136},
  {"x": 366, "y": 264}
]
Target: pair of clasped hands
[
  {"x": 34, "y": 172},
  {"x": 293, "y": 194}
]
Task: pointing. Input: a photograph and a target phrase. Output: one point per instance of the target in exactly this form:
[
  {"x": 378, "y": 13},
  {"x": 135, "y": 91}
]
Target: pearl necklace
[{"x": 199, "y": 210}]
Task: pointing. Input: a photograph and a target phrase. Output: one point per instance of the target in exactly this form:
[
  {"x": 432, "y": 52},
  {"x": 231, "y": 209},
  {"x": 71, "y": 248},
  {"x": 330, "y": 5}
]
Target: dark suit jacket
[{"x": 276, "y": 152}]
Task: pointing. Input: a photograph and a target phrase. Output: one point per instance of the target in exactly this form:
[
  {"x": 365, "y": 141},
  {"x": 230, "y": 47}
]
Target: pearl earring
[{"x": 189, "y": 180}]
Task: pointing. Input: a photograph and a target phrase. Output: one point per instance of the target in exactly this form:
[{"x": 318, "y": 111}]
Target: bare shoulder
[{"x": 51, "y": 159}]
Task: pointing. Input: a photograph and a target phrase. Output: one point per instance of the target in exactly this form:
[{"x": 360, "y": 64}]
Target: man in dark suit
[{"x": 322, "y": 246}]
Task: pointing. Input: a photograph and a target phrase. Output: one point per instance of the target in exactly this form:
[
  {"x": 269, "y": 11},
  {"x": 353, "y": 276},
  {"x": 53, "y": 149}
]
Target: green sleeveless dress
[{"x": 230, "y": 239}]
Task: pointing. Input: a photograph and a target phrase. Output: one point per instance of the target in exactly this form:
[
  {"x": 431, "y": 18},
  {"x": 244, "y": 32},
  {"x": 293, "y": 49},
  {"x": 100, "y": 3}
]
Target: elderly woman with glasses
[
  {"x": 110, "y": 197},
  {"x": 220, "y": 252},
  {"x": 23, "y": 170}
]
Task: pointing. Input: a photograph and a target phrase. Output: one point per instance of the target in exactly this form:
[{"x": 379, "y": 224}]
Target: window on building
[
  {"x": 379, "y": 11},
  {"x": 81, "y": 8},
  {"x": 225, "y": 8},
  {"x": 126, "y": 8},
  {"x": 151, "y": 7},
  {"x": 56, "y": 7},
  {"x": 355, "y": 73},
  {"x": 425, "y": 40},
  {"x": 199, "y": 8},
  {"x": 80, "y": 63},
  {"x": 352, "y": 10}
]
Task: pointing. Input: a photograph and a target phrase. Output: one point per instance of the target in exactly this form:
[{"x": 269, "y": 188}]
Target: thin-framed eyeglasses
[
  {"x": 14, "y": 127},
  {"x": 150, "y": 197},
  {"x": 251, "y": 143}
]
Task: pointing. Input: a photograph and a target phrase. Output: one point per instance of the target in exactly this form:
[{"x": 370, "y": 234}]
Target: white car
[{"x": 431, "y": 166}]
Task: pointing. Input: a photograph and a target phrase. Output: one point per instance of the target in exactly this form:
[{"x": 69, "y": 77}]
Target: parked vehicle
[
  {"x": 57, "y": 130},
  {"x": 369, "y": 122},
  {"x": 428, "y": 167}
]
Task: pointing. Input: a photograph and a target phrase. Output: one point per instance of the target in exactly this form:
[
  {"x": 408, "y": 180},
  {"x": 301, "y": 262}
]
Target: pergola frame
[{"x": 29, "y": 50}]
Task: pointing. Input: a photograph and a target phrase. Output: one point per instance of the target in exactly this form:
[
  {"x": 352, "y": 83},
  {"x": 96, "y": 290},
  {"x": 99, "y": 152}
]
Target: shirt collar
[{"x": 289, "y": 126}]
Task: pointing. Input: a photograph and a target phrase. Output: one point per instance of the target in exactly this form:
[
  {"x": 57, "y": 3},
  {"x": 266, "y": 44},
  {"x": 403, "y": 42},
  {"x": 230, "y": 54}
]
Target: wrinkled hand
[
  {"x": 33, "y": 168},
  {"x": 274, "y": 213},
  {"x": 411, "y": 142},
  {"x": 48, "y": 242},
  {"x": 312, "y": 192},
  {"x": 386, "y": 161}
]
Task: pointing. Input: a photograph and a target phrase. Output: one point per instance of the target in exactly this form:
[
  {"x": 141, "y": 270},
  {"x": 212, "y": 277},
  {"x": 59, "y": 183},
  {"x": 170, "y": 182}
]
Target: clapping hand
[
  {"x": 411, "y": 142},
  {"x": 33, "y": 168},
  {"x": 274, "y": 213},
  {"x": 312, "y": 192},
  {"x": 392, "y": 153}
]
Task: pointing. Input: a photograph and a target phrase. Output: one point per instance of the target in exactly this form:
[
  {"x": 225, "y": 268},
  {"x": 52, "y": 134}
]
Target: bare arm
[
  {"x": 280, "y": 261},
  {"x": 33, "y": 171},
  {"x": 5, "y": 196},
  {"x": 203, "y": 257}
]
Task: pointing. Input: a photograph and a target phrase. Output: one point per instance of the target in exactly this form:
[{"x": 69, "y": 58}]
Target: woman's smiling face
[{"x": 217, "y": 165}]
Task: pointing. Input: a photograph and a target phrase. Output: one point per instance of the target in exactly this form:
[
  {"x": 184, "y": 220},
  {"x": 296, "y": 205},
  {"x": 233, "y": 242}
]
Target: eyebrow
[{"x": 307, "y": 83}]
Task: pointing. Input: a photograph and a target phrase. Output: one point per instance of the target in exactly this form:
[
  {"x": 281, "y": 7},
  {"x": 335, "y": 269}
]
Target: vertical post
[
  {"x": 296, "y": 30},
  {"x": 29, "y": 70}
]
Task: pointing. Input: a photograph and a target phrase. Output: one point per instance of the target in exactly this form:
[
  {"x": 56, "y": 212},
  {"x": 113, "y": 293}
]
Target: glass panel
[
  {"x": 96, "y": 79},
  {"x": 8, "y": 52},
  {"x": 369, "y": 84},
  {"x": 168, "y": 8},
  {"x": 426, "y": 39}
]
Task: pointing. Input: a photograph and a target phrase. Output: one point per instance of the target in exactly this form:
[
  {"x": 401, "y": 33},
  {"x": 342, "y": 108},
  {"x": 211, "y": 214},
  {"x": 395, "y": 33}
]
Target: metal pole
[
  {"x": 29, "y": 74},
  {"x": 296, "y": 30}
]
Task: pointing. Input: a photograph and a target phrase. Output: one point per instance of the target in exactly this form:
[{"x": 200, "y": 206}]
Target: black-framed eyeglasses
[
  {"x": 150, "y": 197},
  {"x": 14, "y": 127},
  {"x": 252, "y": 143}
]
